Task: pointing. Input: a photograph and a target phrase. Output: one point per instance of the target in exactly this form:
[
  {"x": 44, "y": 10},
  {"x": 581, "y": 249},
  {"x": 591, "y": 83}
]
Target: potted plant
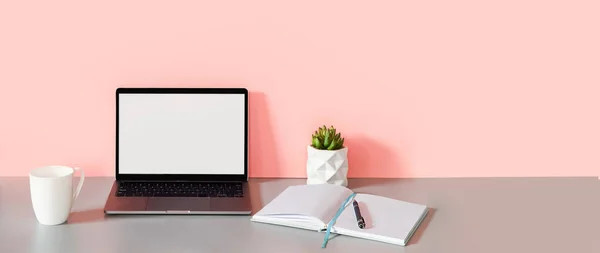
[{"x": 327, "y": 161}]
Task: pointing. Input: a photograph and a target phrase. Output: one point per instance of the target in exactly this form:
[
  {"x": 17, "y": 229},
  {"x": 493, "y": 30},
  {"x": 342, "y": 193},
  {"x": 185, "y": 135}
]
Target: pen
[{"x": 359, "y": 218}]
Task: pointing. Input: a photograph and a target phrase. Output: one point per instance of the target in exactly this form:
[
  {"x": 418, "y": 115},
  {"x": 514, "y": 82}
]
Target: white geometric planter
[{"x": 327, "y": 166}]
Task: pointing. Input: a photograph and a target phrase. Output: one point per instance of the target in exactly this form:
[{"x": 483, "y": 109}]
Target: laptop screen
[{"x": 181, "y": 134}]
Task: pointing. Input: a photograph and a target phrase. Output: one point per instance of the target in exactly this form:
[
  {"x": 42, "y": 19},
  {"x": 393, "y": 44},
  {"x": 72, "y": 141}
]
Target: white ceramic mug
[{"x": 52, "y": 193}]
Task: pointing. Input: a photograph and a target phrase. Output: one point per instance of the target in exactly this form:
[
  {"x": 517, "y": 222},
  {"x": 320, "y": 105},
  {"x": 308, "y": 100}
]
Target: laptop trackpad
[{"x": 176, "y": 204}]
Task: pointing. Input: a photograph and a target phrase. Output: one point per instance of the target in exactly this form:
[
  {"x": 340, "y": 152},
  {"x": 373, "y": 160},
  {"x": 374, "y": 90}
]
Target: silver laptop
[{"x": 181, "y": 151}]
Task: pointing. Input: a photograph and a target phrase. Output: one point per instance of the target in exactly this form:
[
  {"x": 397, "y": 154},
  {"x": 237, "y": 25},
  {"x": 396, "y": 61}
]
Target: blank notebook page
[
  {"x": 383, "y": 217},
  {"x": 320, "y": 201}
]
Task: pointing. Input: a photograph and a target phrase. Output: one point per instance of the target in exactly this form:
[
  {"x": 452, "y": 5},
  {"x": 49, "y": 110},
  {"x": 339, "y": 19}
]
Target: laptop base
[{"x": 178, "y": 205}]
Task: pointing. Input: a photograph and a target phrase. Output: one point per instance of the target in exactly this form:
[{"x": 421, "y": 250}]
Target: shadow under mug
[{"x": 52, "y": 193}]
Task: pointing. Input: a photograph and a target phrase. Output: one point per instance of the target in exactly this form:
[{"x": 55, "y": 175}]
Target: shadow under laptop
[
  {"x": 255, "y": 198},
  {"x": 86, "y": 216}
]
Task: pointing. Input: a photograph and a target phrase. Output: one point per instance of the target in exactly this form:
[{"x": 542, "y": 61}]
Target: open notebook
[{"x": 314, "y": 206}]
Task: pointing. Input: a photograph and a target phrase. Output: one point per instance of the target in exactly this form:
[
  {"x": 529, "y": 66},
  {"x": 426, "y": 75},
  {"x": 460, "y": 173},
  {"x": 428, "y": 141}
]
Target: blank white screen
[{"x": 181, "y": 133}]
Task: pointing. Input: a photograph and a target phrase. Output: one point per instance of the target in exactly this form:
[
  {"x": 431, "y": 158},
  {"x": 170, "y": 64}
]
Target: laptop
[{"x": 181, "y": 151}]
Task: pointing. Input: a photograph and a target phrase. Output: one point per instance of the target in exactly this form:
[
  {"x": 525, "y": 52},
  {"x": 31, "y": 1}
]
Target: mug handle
[{"x": 81, "y": 179}]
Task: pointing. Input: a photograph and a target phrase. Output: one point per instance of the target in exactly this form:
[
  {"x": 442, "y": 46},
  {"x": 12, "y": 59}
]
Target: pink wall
[{"x": 419, "y": 88}]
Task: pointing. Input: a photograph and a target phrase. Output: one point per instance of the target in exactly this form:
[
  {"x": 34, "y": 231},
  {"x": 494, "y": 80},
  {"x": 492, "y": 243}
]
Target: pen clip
[{"x": 324, "y": 228}]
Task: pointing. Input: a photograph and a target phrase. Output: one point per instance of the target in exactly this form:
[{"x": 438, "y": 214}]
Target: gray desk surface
[{"x": 469, "y": 215}]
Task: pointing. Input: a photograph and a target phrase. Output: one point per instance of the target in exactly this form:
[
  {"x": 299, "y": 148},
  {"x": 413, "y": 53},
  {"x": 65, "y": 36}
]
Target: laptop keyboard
[{"x": 179, "y": 189}]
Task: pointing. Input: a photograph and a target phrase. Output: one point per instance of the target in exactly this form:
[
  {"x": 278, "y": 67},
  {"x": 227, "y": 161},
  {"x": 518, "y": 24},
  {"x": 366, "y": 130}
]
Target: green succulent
[{"x": 327, "y": 139}]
